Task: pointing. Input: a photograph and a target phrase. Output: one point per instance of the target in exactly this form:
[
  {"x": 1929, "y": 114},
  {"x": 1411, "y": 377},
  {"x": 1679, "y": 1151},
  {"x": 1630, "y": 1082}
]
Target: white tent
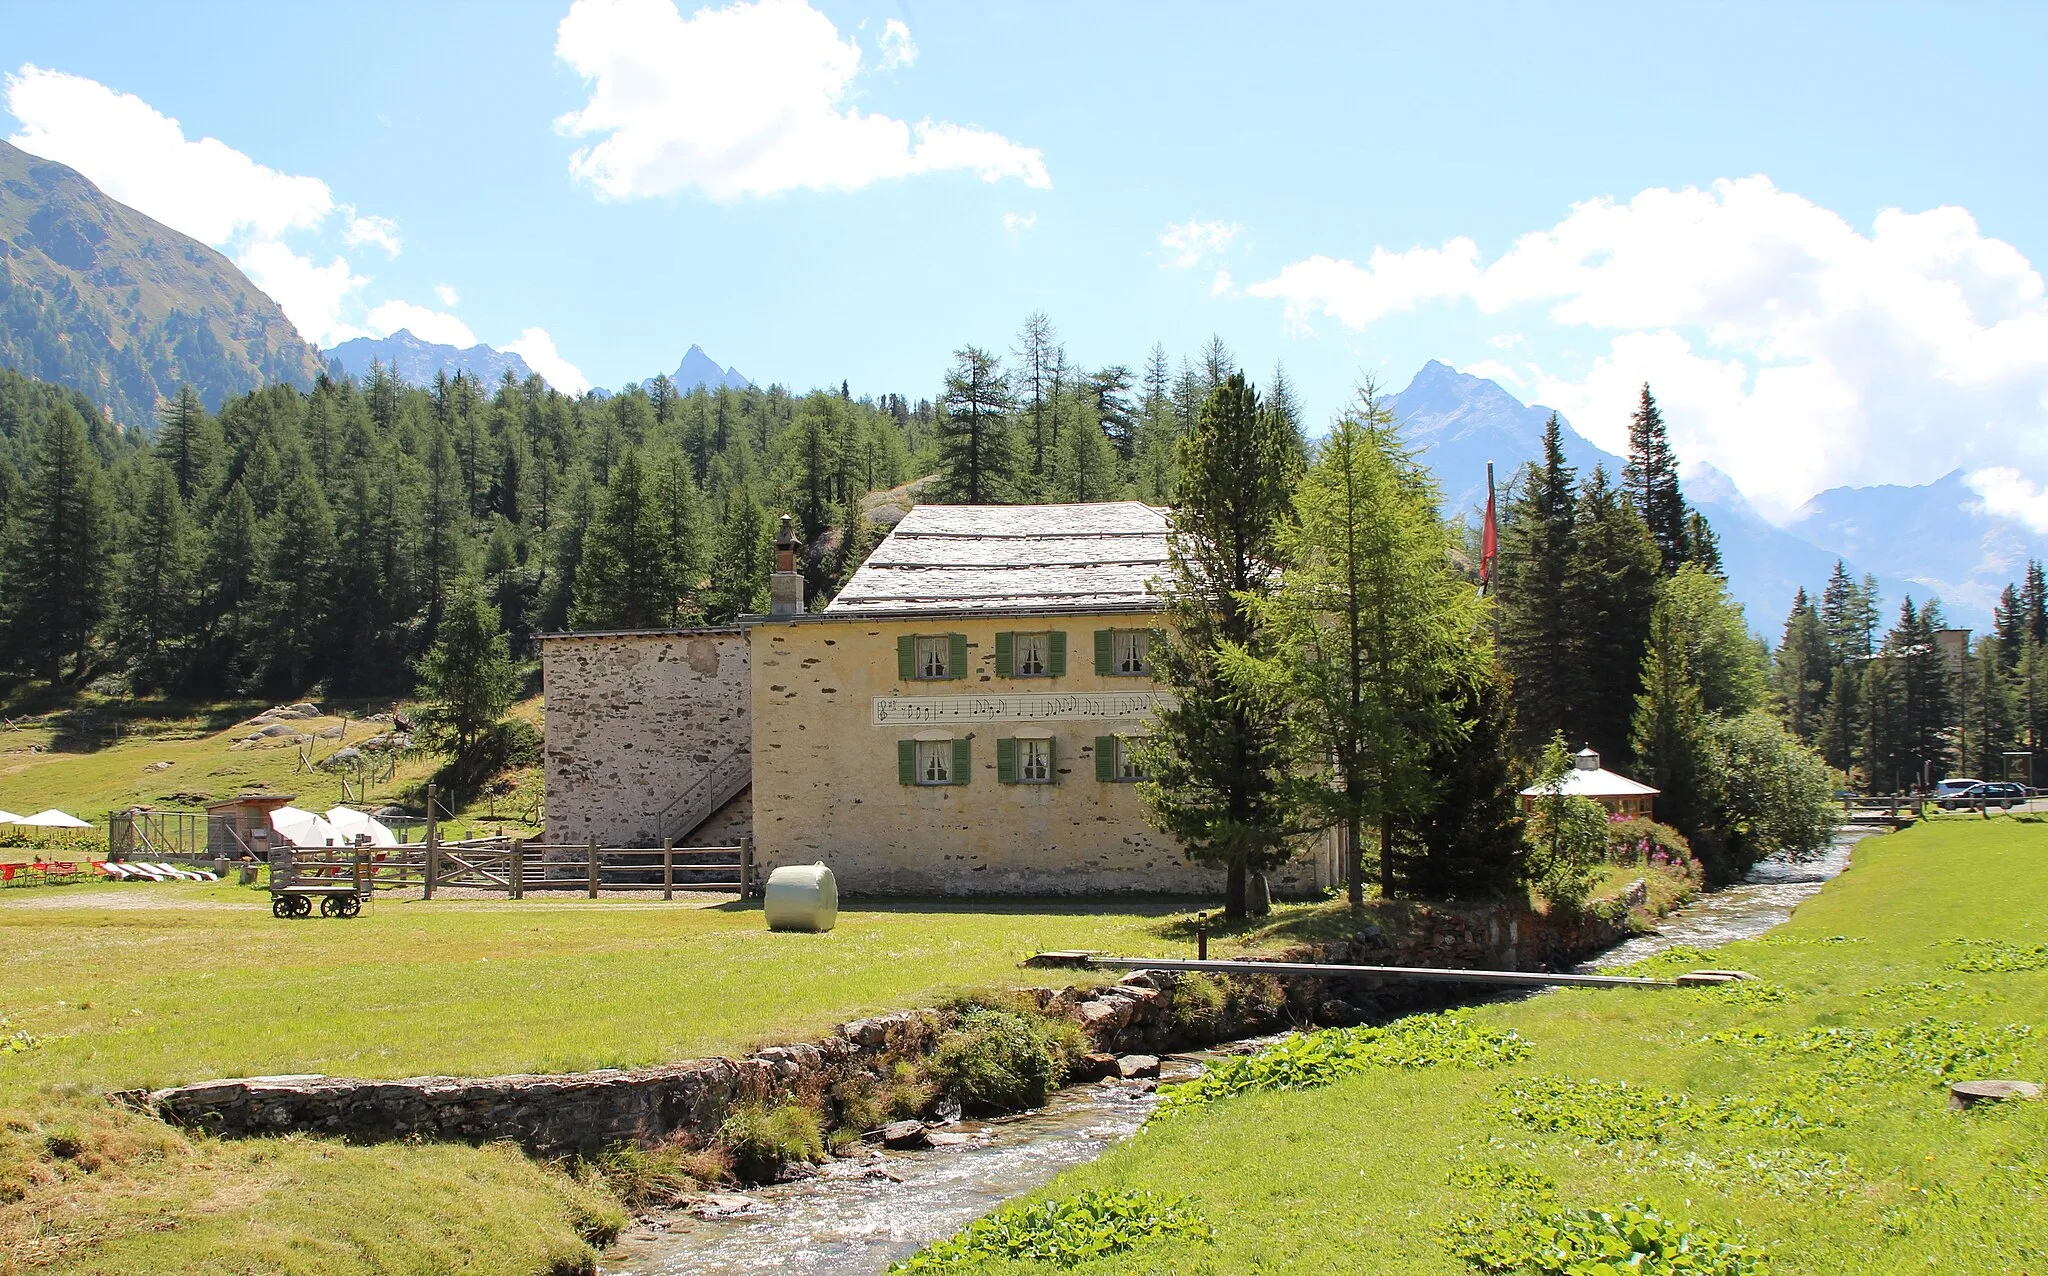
[
  {"x": 351, "y": 823},
  {"x": 8, "y": 817},
  {"x": 52, "y": 819},
  {"x": 303, "y": 828}
]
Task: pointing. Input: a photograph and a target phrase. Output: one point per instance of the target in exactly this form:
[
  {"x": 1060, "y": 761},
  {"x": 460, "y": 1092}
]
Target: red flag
[{"x": 1489, "y": 539}]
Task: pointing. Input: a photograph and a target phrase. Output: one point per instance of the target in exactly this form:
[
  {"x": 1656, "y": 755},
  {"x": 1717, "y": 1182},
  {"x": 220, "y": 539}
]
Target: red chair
[{"x": 8, "y": 872}]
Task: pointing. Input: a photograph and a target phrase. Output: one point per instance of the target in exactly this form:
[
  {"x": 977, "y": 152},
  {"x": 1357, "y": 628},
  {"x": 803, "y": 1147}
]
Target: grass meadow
[{"x": 1802, "y": 1117}]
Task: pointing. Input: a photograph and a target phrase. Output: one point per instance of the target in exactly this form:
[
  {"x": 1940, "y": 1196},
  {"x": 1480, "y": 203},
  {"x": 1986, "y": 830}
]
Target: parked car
[
  {"x": 1946, "y": 789},
  {"x": 1998, "y": 793}
]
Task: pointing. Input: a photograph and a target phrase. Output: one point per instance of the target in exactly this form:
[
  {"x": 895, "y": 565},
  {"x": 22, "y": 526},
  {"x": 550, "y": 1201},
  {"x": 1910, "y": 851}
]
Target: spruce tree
[
  {"x": 1538, "y": 633},
  {"x": 977, "y": 460},
  {"x": 1651, "y": 480},
  {"x": 1215, "y": 759},
  {"x": 1673, "y": 746},
  {"x": 1841, "y": 729},
  {"x": 156, "y": 584},
  {"x": 1467, "y": 843},
  {"x": 624, "y": 580},
  {"x": 1609, "y": 592},
  {"x": 233, "y": 580},
  {"x": 1703, "y": 544},
  {"x": 58, "y": 553},
  {"x": 298, "y": 595},
  {"x": 1802, "y": 670},
  {"x": 2034, "y": 601},
  {"x": 740, "y": 561},
  {"x": 679, "y": 514}
]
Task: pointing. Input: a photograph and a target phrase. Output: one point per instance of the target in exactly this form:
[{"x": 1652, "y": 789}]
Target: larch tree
[
  {"x": 1467, "y": 842},
  {"x": 740, "y": 562},
  {"x": 1216, "y": 760},
  {"x": 189, "y": 442},
  {"x": 297, "y": 592},
  {"x": 1651, "y": 480},
  {"x": 679, "y": 515},
  {"x": 1035, "y": 350},
  {"x": 1375, "y": 635},
  {"x": 466, "y": 679},
  {"x": 58, "y": 553},
  {"x": 977, "y": 457}
]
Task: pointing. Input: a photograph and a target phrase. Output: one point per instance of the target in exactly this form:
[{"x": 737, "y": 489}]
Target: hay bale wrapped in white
[{"x": 801, "y": 897}]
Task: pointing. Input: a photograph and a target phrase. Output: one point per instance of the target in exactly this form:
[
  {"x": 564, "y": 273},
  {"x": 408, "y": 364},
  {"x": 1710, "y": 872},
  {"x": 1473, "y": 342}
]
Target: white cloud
[
  {"x": 2010, "y": 494},
  {"x": 750, "y": 99},
  {"x": 447, "y": 294},
  {"x": 314, "y": 297},
  {"x": 1788, "y": 347},
  {"x": 898, "y": 49},
  {"x": 1192, "y": 240},
  {"x": 381, "y": 231},
  {"x": 206, "y": 188},
  {"x": 538, "y": 349},
  {"x": 1018, "y": 223},
  {"x": 428, "y": 325},
  {"x": 1222, "y": 285}
]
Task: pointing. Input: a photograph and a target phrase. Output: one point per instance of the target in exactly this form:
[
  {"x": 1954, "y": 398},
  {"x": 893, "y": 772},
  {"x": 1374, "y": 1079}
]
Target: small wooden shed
[{"x": 230, "y": 822}]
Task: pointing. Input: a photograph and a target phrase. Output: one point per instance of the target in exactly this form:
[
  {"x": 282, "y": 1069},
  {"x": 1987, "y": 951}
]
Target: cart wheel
[
  {"x": 347, "y": 906},
  {"x": 330, "y": 905},
  {"x": 301, "y": 906},
  {"x": 281, "y": 906}
]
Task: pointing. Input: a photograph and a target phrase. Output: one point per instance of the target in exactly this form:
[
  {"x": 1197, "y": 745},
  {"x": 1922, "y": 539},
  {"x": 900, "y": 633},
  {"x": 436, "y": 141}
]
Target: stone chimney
[{"x": 786, "y": 585}]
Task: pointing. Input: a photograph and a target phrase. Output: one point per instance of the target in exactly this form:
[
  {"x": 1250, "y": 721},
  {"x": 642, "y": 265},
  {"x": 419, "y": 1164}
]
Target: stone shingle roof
[{"x": 1004, "y": 558}]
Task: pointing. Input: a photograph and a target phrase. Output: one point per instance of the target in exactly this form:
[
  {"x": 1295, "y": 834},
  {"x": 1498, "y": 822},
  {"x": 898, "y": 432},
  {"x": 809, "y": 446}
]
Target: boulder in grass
[{"x": 1968, "y": 1094}]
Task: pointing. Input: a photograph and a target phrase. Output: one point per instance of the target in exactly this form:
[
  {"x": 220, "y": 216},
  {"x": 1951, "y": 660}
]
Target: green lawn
[
  {"x": 207, "y": 984},
  {"x": 1835, "y": 1151}
]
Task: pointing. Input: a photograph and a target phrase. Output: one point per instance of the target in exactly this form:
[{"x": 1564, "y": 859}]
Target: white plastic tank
[{"x": 801, "y": 897}]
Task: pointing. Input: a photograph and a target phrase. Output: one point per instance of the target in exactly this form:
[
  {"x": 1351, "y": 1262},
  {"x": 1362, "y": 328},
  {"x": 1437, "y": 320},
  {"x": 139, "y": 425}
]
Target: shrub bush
[
  {"x": 1637, "y": 840},
  {"x": 997, "y": 1060},
  {"x": 762, "y": 1139},
  {"x": 660, "y": 1175},
  {"x": 1317, "y": 1058}
]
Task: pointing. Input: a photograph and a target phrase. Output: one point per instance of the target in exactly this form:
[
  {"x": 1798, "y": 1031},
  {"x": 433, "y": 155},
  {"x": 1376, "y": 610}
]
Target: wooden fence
[{"x": 517, "y": 867}]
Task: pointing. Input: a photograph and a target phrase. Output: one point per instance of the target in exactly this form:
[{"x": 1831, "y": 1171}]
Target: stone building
[{"x": 958, "y": 721}]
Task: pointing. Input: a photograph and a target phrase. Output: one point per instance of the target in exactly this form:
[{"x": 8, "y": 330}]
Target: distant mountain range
[
  {"x": 698, "y": 368},
  {"x": 418, "y": 362},
  {"x": 1936, "y": 540},
  {"x": 100, "y": 298}
]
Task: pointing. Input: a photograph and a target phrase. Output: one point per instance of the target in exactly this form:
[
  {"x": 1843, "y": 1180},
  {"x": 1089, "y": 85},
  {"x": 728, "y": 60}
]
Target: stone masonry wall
[{"x": 633, "y": 720}]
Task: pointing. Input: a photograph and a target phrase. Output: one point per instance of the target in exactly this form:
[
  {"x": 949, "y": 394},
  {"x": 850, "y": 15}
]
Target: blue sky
[{"x": 1569, "y": 198}]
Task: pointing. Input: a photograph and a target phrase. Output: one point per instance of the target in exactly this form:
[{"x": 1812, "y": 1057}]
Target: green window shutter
[
  {"x": 1056, "y": 653},
  {"x": 906, "y": 657},
  {"x": 963, "y": 760},
  {"x": 1105, "y": 758},
  {"x": 1006, "y": 655},
  {"x": 956, "y": 655},
  {"x": 1006, "y": 761},
  {"x": 1102, "y": 656},
  {"x": 906, "y": 762}
]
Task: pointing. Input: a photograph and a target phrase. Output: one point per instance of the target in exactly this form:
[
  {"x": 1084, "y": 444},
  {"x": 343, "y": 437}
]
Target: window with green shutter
[
  {"x": 1123, "y": 653},
  {"x": 1006, "y": 646},
  {"x": 956, "y": 656},
  {"x": 1105, "y": 757},
  {"x": 1102, "y": 637},
  {"x": 931, "y": 657},
  {"x": 1056, "y": 654},
  {"x": 963, "y": 760},
  {"x": 906, "y": 657},
  {"x": 1006, "y": 761},
  {"x": 906, "y": 762},
  {"x": 1025, "y": 761}
]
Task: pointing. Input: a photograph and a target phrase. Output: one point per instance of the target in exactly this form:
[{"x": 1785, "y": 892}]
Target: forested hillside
[{"x": 98, "y": 297}]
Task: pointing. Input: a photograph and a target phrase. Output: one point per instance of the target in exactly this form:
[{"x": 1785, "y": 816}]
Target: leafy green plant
[
  {"x": 1000, "y": 1060},
  {"x": 16, "y": 1040},
  {"x": 642, "y": 1177},
  {"x": 1995, "y": 956},
  {"x": 1318, "y": 1058},
  {"x": 1066, "y": 1231},
  {"x": 1932, "y": 1050},
  {"x": 1637, "y": 1239},
  {"x": 1615, "y": 1111},
  {"x": 762, "y": 1139}
]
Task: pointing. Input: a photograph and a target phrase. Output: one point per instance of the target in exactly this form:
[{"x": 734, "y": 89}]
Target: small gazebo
[{"x": 1588, "y": 779}]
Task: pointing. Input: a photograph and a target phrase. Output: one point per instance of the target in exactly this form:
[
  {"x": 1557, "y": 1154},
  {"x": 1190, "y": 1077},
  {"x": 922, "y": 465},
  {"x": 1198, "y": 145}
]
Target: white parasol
[
  {"x": 52, "y": 819},
  {"x": 351, "y": 823}
]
